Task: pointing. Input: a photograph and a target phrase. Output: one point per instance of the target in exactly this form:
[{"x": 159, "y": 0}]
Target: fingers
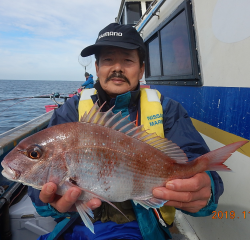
[
  {"x": 187, "y": 201},
  {"x": 94, "y": 203},
  {"x": 187, "y": 194},
  {"x": 65, "y": 203},
  {"x": 47, "y": 193},
  {"x": 194, "y": 183}
]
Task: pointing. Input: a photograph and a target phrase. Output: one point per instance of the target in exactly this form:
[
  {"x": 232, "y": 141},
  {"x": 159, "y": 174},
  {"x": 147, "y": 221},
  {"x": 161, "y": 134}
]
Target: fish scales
[
  {"x": 135, "y": 164},
  {"x": 107, "y": 157},
  {"x": 108, "y": 162}
]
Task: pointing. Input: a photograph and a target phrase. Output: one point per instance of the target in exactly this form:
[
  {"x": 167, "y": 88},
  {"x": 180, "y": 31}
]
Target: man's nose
[{"x": 118, "y": 67}]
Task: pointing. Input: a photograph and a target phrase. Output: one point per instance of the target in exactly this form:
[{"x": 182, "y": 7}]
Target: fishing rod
[
  {"x": 13, "y": 105},
  {"x": 5, "y": 197},
  {"x": 10, "y": 99},
  {"x": 54, "y": 95}
]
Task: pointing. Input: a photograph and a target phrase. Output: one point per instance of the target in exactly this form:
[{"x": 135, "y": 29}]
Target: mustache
[{"x": 117, "y": 75}]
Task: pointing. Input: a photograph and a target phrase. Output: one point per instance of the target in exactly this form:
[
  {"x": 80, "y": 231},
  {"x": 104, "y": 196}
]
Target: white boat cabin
[
  {"x": 198, "y": 54},
  {"x": 131, "y": 11}
]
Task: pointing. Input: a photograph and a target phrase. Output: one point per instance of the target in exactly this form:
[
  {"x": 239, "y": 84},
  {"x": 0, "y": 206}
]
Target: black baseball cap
[{"x": 117, "y": 35}]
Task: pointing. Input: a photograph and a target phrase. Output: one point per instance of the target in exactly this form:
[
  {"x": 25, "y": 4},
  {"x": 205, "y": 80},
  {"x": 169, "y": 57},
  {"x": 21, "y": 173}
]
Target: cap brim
[{"x": 92, "y": 49}]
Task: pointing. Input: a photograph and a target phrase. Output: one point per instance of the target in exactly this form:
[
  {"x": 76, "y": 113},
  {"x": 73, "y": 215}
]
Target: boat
[
  {"x": 195, "y": 58},
  {"x": 198, "y": 55}
]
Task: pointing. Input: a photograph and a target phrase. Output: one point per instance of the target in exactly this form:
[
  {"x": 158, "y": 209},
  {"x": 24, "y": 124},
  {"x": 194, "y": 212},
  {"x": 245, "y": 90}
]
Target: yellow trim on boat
[{"x": 221, "y": 136}]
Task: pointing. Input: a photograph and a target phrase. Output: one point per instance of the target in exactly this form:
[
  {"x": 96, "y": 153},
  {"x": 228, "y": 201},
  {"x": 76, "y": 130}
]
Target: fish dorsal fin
[
  {"x": 83, "y": 117},
  {"x": 91, "y": 113},
  {"x": 164, "y": 145},
  {"x": 168, "y": 147},
  {"x": 122, "y": 124},
  {"x": 97, "y": 113},
  {"x": 135, "y": 130},
  {"x": 106, "y": 116},
  {"x": 127, "y": 127},
  {"x": 113, "y": 120}
]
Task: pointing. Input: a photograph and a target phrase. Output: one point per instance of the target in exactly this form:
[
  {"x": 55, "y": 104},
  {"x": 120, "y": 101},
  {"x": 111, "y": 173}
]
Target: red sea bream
[{"x": 108, "y": 157}]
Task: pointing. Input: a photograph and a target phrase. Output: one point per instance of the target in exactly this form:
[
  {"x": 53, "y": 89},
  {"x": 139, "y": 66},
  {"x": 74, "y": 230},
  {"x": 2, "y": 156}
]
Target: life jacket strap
[{"x": 85, "y": 102}]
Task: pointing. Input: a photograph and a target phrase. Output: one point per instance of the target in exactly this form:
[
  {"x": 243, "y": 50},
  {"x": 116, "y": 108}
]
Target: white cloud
[{"x": 41, "y": 39}]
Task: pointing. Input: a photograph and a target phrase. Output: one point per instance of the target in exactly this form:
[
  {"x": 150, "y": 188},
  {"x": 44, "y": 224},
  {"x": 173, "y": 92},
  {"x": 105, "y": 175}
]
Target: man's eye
[{"x": 128, "y": 60}]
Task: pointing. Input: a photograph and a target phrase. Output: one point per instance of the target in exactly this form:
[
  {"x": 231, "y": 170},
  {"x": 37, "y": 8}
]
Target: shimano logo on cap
[{"x": 106, "y": 34}]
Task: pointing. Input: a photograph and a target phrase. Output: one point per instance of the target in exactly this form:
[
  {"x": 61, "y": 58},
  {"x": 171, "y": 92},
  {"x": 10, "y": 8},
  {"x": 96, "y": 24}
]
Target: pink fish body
[{"x": 108, "y": 157}]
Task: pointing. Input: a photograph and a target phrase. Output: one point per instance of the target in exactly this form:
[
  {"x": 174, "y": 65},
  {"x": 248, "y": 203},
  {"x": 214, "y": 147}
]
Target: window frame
[
  {"x": 148, "y": 4},
  {"x": 148, "y": 62},
  {"x": 193, "y": 79},
  {"x": 140, "y": 9}
]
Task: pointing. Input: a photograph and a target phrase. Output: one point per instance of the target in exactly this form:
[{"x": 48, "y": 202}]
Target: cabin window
[
  {"x": 176, "y": 59},
  {"x": 148, "y": 4},
  {"x": 172, "y": 55},
  {"x": 154, "y": 58},
  {"x": 133, "y": 12}
]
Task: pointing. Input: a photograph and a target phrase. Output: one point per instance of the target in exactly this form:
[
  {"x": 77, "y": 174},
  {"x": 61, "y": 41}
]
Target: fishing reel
[{"x": 57, "y": 95}]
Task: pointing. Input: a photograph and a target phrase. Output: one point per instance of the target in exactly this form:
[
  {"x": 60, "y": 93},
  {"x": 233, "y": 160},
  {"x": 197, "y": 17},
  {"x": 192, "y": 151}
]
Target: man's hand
[
  {"x": 65, "y": 203},
  {"x": 190, "y": 195}
]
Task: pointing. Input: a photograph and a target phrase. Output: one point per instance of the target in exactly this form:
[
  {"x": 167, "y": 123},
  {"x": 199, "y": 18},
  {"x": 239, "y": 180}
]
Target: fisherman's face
[{"x": 119, "y": 70}]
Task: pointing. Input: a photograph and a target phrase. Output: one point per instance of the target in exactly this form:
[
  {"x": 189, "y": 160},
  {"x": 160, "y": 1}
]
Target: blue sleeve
[
  {"x": 89, "y": 81},
  {"x": 179, "y": 128},
  {"x": 66, "y": 113}
]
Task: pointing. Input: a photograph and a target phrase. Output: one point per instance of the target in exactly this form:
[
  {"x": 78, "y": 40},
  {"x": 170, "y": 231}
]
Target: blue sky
[{"x": 42, "y": 39}]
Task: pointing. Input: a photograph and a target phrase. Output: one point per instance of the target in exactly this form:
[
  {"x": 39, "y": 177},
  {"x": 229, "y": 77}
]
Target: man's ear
[{"x": 96, "y": 69}]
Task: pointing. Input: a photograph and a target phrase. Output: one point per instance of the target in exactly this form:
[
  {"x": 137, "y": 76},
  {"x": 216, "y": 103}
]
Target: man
[
  {"x": 89, "y": 83},
  {"x": 120, "y": 53}
]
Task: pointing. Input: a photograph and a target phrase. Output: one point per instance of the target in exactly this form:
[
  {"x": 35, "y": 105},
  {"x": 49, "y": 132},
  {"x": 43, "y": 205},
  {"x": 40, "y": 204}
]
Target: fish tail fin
[{"x": 216, "y": 158}]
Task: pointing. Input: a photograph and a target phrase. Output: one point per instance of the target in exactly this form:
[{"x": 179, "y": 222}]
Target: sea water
[{"x": 20, "y": 110}]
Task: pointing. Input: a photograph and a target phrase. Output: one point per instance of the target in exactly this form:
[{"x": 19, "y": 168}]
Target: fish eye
[{"x": 34, "y": 152}]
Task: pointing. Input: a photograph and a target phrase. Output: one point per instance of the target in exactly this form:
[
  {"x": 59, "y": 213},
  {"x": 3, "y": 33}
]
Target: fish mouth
[{"x": 10, "y": 173}]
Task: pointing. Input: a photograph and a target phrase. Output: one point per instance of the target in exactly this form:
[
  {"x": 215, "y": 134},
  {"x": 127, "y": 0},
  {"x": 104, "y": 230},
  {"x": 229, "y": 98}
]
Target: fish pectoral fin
[
  {"x": 150, "y": 202},
  {"x": 83, "y": 210},
  {"x": 99, "y": 197}
]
